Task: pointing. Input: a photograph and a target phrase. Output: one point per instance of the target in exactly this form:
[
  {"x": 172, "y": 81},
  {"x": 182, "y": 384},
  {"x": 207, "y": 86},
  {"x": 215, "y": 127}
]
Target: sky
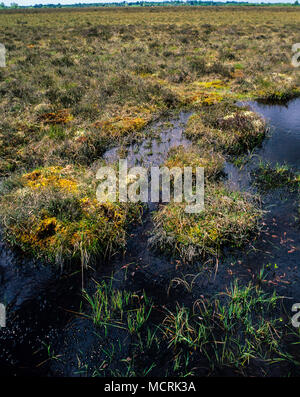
[{"x": 32, "y": 2}]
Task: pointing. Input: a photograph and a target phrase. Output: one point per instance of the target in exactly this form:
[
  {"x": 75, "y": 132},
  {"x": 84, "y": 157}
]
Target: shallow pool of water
[
  {"x": 283, "y": 144},
  {"x": 154, "y": 150}
]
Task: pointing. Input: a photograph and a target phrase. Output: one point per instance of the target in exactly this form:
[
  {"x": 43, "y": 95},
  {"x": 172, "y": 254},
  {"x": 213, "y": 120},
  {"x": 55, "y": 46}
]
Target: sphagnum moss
[
  {"x": 53, "y": 212},
  {"x": 229, "y": 218}
]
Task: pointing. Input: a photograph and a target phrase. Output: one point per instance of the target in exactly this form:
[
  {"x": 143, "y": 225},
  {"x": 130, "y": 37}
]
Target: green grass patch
[
  {"x": 229, "y": 218},
  {"x": 279, "y": 176}
]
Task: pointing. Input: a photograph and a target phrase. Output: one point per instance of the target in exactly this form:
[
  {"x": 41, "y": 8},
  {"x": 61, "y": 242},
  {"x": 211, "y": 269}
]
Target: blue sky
[{"x": 32, "y": 2}]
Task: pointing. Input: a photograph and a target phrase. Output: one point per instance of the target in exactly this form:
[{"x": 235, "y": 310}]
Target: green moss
[
  {"x": 229, "y": 218},
  {"x": 53, "y": 213}
]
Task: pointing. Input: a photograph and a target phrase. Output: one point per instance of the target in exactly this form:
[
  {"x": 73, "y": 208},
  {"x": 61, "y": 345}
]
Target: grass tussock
[
  {"x": 53, "y": 213},
  {"x": 193, "y": 157},
  {"x": 268, "y": 177},
  {"x": 229, "y": 218},
  {"x": 111, "y": 307},
  {"x": 234, "y": 133}
]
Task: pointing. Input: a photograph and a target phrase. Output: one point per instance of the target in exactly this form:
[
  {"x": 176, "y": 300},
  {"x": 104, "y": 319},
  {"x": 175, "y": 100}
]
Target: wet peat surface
[
  {"x": 154, "y": 150},
  {"x": 43, "y": 306}
]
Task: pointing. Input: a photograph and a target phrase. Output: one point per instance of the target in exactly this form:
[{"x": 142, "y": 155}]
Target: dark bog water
[
  {"x": 278, "y": 248},
  {"x": 283, "y": 145}
]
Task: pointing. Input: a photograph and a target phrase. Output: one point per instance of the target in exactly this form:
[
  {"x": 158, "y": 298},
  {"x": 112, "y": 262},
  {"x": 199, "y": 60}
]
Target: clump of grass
[
  {"x": 119, "y": 126},
  {"x": 53, "y": 213},
  {"x": 56, "y": 133},
  {"x": 200, "y": 93},
  {"x": 231, "y": 331},
  {"x": 123, "y": 309},
  {"x": 194, "y": 157},
  {"x": 275, "y": 96},
  {"x": 268, "y": 177},
  {"x": 229, "y": 219},
  {"x": 234, "y": 133}
]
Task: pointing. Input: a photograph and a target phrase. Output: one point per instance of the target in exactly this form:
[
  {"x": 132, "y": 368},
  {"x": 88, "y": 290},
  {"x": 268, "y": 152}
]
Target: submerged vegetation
[{"x": 229, "y": 333}]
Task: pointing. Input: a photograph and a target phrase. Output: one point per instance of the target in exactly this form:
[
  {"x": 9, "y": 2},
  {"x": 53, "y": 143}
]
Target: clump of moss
[
  {"x": 49, "y": 176},
  {"x": 229, "y": 219},
  {"x": 194, "y": 157},
  {"x": 129, "y": 120},
  {"x": 201, "y": 93},
  {"x": 122, "y": 126},
  {"x": 53, "y": 213},
  {"x": 60, "y": 117},
  {"x": 268, "y": 177},
  {"x": 234, "y": 133}
]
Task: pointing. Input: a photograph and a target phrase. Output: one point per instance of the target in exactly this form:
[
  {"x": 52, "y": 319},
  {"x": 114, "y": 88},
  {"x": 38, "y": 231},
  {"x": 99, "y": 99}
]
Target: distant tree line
[{"x": 150, "y": 4}]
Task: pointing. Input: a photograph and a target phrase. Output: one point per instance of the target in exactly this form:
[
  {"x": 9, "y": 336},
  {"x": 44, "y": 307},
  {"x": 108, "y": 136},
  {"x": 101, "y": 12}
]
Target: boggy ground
[{"x": 78, "y": 83}]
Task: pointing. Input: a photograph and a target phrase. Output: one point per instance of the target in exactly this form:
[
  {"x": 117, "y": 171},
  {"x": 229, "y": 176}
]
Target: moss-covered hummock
[
  {"x": 53, "y": 212},
  {"x": 231, "y": 133},
  {"x": 193, "y": 157},
  {"x": 229, "y": 218}
]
